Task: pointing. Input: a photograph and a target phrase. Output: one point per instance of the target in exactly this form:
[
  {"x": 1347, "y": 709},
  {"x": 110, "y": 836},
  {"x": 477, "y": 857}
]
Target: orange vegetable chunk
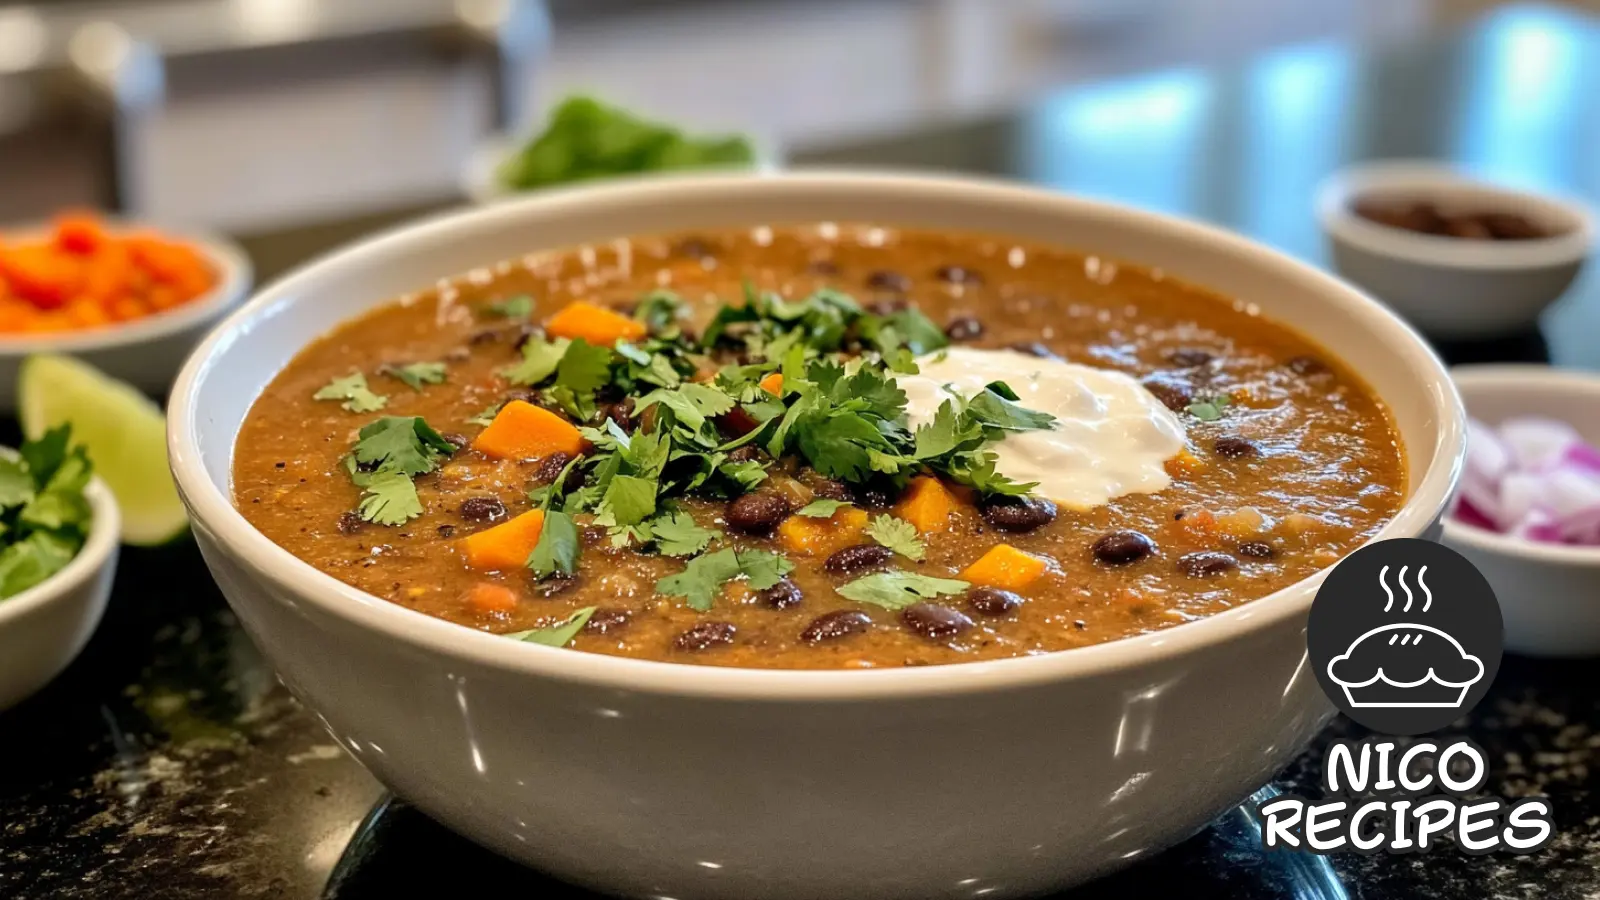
[
  {"x": 821, "y": 537},
  {"x": 927, "y": 504},
  {"x": 524, "y": 431},
  {"x": 79, "y": 233},
  {"x": 488, "y": 597},
  {"x": 505, "y": 546},
  {"x": 1184, "y": 465},
  {"x": 1006, "y": 567},
  {"x": 595, "y": 324},
  {"x": 773, "y": 384}
]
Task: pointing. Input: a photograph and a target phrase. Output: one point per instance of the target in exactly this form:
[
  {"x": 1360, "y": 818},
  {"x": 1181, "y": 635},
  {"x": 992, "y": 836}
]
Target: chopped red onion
[{"x": 1533, "y": 478}]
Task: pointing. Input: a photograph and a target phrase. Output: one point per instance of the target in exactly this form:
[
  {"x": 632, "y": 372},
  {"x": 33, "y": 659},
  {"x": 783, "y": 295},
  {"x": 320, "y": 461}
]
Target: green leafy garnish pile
[
  {"x": 387, "y": 456},
  {"x": 588, "y": 139},
  {"x": 44, "y": 515}
]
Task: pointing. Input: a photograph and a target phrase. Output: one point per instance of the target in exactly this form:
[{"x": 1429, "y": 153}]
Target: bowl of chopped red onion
[{"x": 1528, "y": 514}]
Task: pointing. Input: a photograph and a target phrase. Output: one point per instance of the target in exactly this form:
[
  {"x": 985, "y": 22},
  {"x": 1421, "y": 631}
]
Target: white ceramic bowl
[
  {"x": 653, "y": 779},
  {"x": 1448, "y": 287},
  {"x": 43, "y": 628},
  {"x": 1549, "y": 593},
  {"x": 480, "y": 182},
  {"x": 145, "y": 352}
]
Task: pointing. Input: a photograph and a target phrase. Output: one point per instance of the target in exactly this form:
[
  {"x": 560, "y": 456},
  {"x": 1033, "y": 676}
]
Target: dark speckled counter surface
[{"x": 169, "y": 763}]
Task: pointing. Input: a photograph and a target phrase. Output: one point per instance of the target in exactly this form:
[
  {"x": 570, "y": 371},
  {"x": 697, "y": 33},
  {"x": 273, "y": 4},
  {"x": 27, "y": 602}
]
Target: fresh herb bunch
[{"x": 44, "y": 515}]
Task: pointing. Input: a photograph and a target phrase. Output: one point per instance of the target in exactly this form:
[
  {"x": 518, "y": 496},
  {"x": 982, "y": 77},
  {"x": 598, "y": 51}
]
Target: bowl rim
[
  {"x": 1339, "y": 221},
  {"x": 105, "y": 534},
  {"x": 234, "y": 274},
  {"x": 216, "y": 517},
  {"x": 1532, "y": 378}
]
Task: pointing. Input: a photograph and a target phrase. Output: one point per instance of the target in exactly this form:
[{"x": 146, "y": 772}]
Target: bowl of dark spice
[{"x": 1458, "y": 256}]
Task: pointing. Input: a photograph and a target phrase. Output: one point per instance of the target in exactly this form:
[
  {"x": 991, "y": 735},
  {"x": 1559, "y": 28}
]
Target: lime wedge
[{"x": 124, "y": 432}]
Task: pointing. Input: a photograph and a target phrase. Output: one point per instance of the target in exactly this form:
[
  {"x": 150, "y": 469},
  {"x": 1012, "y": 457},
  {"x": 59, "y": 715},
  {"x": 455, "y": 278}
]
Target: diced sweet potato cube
[
  {"x": 524, "y": 431},
  {"x": 821, "y": 537},
  {"x": 505, "y": 546},
  {"x": 595, "y": 324},
  {"x": 927, "y": 504},
  {"x": 488, "y": 597},
  {"x": 1007, "y": 568},
  {"x": 773, "y": 383},
  {"x": 1184, "y": 465}
]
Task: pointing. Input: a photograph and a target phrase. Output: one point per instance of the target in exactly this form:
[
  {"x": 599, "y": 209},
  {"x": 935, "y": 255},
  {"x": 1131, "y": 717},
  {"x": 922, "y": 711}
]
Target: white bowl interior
[{"x": 230, "y": 369}]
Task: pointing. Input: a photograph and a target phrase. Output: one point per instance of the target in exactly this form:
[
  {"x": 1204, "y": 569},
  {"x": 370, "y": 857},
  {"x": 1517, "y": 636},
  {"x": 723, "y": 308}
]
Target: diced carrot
[
  {"x": 128, "y": 308},
  {"x": 1184, "y": 465},
  {"x": 505, "y": 546},
  {"x": 488, "y": 597},
  {"x": 80, "y": 233},
  {"x": 1006, "y": 567},
  {"x": 927, "y": 504},
  {"x": 595, "y": 324},
  {"x": 820, "y": 537},
  {"x": 40, "y": 275},
  {"x": 773, "y": 384},
  {"x": 524, "y": 431}
]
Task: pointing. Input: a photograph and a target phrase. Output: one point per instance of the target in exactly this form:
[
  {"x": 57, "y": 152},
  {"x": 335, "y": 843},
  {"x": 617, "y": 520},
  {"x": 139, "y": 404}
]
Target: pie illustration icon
[{"x": 1405, "y": 664}]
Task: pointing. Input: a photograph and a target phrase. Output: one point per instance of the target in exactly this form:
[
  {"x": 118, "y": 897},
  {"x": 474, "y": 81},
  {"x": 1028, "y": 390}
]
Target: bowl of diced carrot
[{"x": 130, "y": 299}]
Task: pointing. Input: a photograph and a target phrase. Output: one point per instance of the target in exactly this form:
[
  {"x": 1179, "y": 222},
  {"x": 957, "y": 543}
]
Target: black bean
[
  {"x": 458, "y": 441},
  {"x": 550, "y": 468},
  {"x": 1232, "y": 447},
  {"x": 695, "y": 248},
  {"x": 483, "y": 509},
  {"x": 1257, "y": 549},
  {"x": 1034, "y": 348},
  {"x": 782, "y": 595},
  {"x": 556, "y": 585},
  {"x": 887, "y": 307},
  {"x": 607, "y": 619},
  {"x": 828, "y": 489},
  {"x": 446, "y": 531},
  {"x": 1306, "y": 365},
  {"x": 526, "y": 395},
  {"x": 958, "y": 275},
  {"x": 1018, "y": 514},
  {"x": 1122, "y": 547},
  {"x": 757, "y": 513},
  {"x": 837, "y": 624},
  {"x": 1174, "y": 393},
  {"x": 1190, "y": 357},
  {"x": 705, "y": 636},
  {"x": 879, "y": 493},
  {"x": 885, "y": 280},
  {"x": 964, "y": 328},
  {"x": 747, "y": 453},
  {"x": 1206, "y": 563},
  {"x": 992, "y": 601},
  {"x": 621, "y": 413},
  {"x": 934, "y": 621},
  {"x": 349, "y": 523},
  {"x": 858, "y": 558}
]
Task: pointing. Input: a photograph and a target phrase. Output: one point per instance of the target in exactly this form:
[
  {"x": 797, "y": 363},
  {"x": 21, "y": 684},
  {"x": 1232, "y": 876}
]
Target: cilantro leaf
[
  {"x": 539, "y": 361},
  {"x": 486, "y": 417},
  {"x": 660, "y": 311},
  {"x": 628, "y": 500},
  {"x": 405, "y": 444},
  {"x": 416, "y": 374},
  {"x": 677, "y": 534},
  {"x": 703, "y": 578},
  {"x": 389, "y": 498},
  {"x": 558, "y": 635},
  {"x": 33, "y": 559},
  {"x": 352, "y": 389},
  {"x": 1209, "y": 409},
  {"x": 898, "y": 590},
  {"x": 898, "y": 535},
  {"x": 948, "y": 431},
  {"x": 584, "y": 367},
  {"x": 999, "y": 409},
  {"x": 558, "y": 546},
  {"x": 692, "y": 403},
  {"x": 518, "y": 307},
  {"x": 60, "y": 503},
  {"x": 46, "y": 453},
  {"x": 821, "y": 508},
  {"x": 16, "y": 484}
]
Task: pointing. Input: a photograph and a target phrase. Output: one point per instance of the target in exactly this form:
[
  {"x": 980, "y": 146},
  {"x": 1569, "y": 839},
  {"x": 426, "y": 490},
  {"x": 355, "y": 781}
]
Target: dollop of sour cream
[{"x": 1111, "y": 436}]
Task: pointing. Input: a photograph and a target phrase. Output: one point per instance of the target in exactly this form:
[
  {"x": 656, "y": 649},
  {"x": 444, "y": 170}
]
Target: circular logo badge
[{"x": 1405, "y": 636}]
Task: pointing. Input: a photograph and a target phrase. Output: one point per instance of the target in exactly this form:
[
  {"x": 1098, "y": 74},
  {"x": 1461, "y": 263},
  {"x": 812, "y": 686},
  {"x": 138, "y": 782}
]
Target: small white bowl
[
  {"x": 1452, "y": 287},
  {"x": 1549, "y": 593},
  {"x": 146, "y": 352},
  {"x": 43, "y": 628},
  {"x": 480, "y": 182}
]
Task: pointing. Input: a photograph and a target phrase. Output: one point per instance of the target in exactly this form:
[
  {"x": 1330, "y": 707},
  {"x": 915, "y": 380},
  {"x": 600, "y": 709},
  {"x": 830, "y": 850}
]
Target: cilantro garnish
[
  {"x": 486, "y": 417},
  {"x": 898, "y": 590},
  {"x": 518, "y": 307},
  {"x": 352, "y": 389},
  {"x": 558, "y": 635},
  {"x": 44, "y": 516},
  {"x": 1209, "y": 409},
  {"x": 702, "y": 580},
  {"x": 416, "y": 374},
  {"x": 821, "y": 508},
  {"x": 557, "y": 550},
  {"x": 388, "y": 453},
  {"x": 898, "y": 535},
  {"x": 677, "y": 534},
  {"x": 539, "y": 360}
]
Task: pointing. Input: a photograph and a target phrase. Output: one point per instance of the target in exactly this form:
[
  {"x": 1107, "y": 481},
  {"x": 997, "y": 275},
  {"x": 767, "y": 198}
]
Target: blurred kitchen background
[{"x": 276, "y": 117}]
